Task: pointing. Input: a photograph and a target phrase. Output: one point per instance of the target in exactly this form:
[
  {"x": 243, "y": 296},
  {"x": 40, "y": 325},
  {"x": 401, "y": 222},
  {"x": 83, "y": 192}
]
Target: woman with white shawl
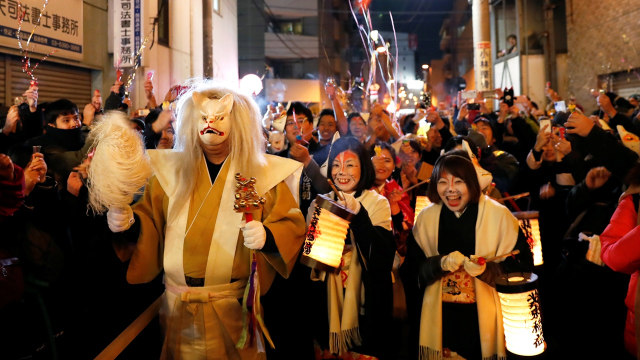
[
  {"x": 359, "y": 296},
  {"x": 461, "y": 309}
]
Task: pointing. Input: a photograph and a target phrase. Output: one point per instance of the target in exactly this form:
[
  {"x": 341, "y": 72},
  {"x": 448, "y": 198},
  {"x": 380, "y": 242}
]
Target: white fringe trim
[
  {"x": 427, "y": 353},
  {"x": 340, "y": 343}
]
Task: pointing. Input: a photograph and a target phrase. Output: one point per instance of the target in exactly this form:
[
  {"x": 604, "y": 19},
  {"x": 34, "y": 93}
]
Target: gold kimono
[{"x": 200, "y": 237}]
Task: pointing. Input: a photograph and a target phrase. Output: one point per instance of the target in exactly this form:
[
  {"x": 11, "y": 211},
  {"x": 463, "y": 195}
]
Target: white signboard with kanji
[
  {"x": 127, "y": 32},
  {"x": 59, "y": 31}
]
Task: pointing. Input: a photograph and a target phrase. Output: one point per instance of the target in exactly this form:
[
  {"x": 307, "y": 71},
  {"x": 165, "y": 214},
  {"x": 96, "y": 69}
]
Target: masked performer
[{"x": 187, "y": 226}]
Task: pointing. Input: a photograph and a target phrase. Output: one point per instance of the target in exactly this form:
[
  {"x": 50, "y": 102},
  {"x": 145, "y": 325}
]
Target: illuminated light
[
  {"x": 251, "y": 83},
  {"x": 423, "y": 127},
  {"x": 425, "y": 66},
  {"x": 381, "y": 49},
  {"x": 531, "y": 227},
  {"x": 521, "y": 313},
  {"x": 392, "y": 107},
  {"x": 421, "y": 203},
  {"x": 374, "y": 35},
  {"x": 415, "y": 84},
  {"x": 329, "y": 225}
]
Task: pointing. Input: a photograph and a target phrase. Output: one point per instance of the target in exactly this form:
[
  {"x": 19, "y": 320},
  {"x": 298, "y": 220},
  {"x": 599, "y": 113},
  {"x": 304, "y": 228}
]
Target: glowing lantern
[
  {"x": 530, "y": 226},
  {"x": 421, "y": 203},
  {"x": 521, "y": 314},
  {"x": 324, "y": 241}
]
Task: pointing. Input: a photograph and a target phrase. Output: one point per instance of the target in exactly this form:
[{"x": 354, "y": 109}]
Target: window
[
  {"x": 505, "y": 27},
  {"x": 163, "y": 22}
]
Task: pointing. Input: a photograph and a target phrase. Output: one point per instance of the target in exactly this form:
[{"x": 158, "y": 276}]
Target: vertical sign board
[
  {"x": 60, "y": 30},
  {"x": 483, "y": 65},
  {"x": 127, "y": 32}
]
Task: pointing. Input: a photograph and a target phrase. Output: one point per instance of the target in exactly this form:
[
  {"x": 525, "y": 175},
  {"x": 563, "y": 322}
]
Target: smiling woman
[
  {"x": 363, "y": 320},
  {"x": 460, "y": 300}
]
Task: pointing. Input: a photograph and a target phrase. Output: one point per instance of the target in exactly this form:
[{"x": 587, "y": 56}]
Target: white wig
[{"x": 247, "y": 147}]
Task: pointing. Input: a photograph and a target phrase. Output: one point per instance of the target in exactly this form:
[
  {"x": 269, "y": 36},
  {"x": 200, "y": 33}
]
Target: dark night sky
[{"x": 421, "y": 17}]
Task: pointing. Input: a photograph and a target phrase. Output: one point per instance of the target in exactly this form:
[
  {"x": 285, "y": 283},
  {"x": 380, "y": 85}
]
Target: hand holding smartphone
[{"x": 547, "y": 123}]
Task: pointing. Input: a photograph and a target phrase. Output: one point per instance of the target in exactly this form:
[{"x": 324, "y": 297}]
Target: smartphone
[
  {"x": 468, "y": 94},
  {"x": 546, "y": 122},
  {"x": 473, "y": 106},
  {"x": 560, "y": 106},
  {"x": 490, "y": 94}
]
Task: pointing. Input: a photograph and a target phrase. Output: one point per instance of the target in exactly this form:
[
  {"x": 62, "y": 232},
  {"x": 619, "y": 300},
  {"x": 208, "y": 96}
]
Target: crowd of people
[{"x": 410, "y": 282}]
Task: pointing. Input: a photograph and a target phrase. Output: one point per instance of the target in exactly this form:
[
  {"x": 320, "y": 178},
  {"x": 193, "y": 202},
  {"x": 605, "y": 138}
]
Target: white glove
[
  {"x": 472, "y": 268},
  {"x": 595, "y": 248},
  {"x": 120, "y": 218},
  {"x": 254, "y": 235},
  {"x": 452, "y": 262},
  {"x": 350, "y": 203}
]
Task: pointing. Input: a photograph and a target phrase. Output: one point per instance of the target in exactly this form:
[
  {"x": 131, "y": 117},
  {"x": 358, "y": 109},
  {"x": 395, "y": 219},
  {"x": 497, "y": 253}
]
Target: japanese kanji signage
[
  {"x": 60, "y": 27},
  {"x": 127, "y": 36},
  {"x": 483, "y": 65}
]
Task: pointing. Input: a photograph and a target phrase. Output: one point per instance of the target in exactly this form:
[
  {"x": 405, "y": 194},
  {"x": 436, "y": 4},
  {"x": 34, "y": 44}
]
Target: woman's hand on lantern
[
  {"x": 350, "y": 203},
  {"x": 452, "y": 262},
  {"x": 254, "y": 235},
  {"x": 474, "y": 265},
  {"x": 120, "y": 218}
]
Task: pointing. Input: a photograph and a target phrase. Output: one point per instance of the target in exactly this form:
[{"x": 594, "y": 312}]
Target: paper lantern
[
  {"x": 521, "y": 314},
  {"x": 328, "y": 228},
  {"x": 421, "y": 203},
  {"x": 530, "y": 226}
]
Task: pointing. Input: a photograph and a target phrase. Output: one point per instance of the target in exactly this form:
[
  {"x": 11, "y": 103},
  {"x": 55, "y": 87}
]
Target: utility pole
[
  {"x": 207, "y": 38},
  {"x": 482, "y": 45}
]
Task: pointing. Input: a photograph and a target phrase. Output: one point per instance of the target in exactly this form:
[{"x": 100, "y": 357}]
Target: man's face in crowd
[
  {"x": 167, "y": 138},
  {"x": 326, "y": 128},
  {"x": 68, "y": 121},
  {"x": 293, "y": 127},
  {"x": 357, "y": 127},
  {"x": 486, "y": 131}
]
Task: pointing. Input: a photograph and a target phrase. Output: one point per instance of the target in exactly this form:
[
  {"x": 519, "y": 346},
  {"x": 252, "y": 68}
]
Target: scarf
[
  {"x": 67, "y": 139},
  {"x": 496, "y": 233},
  {"x": 344, "y": 301}
]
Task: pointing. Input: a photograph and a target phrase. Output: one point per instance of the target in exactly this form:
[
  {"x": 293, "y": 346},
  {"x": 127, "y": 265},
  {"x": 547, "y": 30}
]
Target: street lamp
[{"x": 425, "y": 77}]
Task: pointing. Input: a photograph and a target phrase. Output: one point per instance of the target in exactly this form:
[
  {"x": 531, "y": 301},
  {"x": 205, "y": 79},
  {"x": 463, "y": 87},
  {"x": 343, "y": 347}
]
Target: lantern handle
[
  {"x": 514, "y": 197},
  {"x": 414, "y": 186},
  {"x": 482, "y": 261},
  {"x": 335, "y": 190}
]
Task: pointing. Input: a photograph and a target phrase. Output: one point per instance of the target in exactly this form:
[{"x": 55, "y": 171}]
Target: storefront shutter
[{"x": 55, "y": 81}]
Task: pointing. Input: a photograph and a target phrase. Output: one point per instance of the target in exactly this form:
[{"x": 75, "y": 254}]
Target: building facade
[{"x": 83, "y": 45}]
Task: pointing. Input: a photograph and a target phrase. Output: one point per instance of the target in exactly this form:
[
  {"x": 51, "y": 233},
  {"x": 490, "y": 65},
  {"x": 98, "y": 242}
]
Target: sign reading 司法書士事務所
[
  {"x": 127, "y": 32},
  {"x": 59, "y": 26}
]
